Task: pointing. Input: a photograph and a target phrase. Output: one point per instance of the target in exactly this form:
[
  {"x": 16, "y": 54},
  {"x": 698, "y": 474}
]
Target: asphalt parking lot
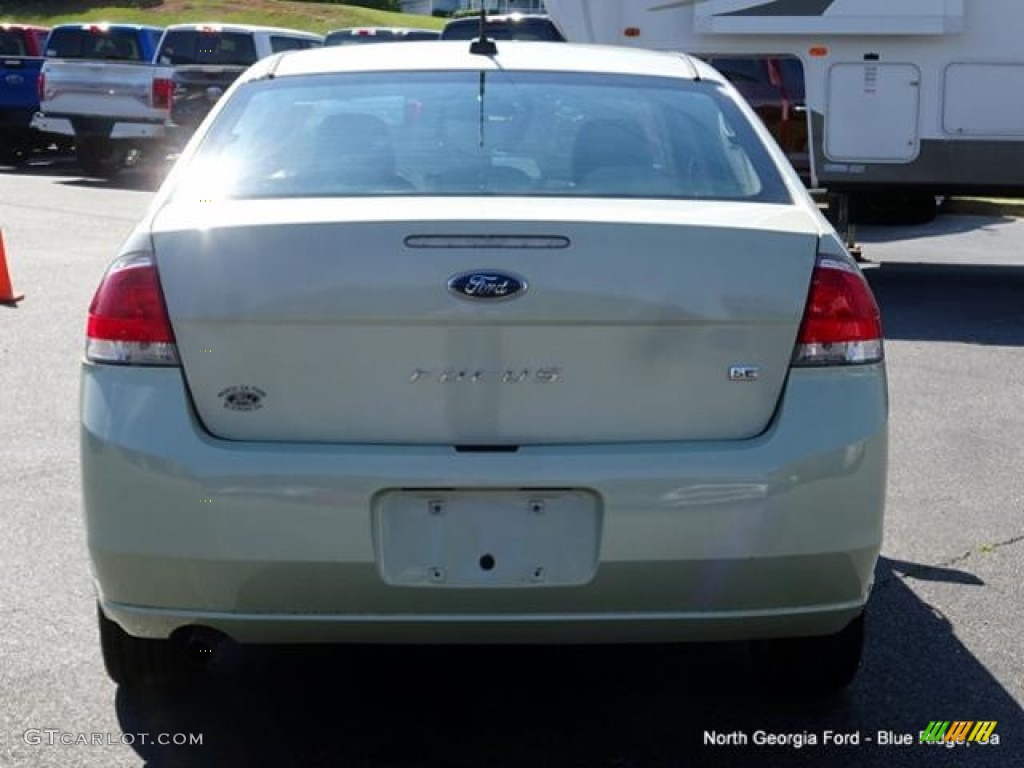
[{"x": 945, "y": 622}]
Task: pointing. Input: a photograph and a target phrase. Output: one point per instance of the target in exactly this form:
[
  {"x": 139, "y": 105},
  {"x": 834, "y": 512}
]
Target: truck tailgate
[{"x": 117, "y": 90}]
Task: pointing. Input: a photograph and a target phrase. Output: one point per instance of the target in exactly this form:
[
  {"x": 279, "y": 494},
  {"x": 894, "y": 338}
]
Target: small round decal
[{"x": 243, "y": 397}]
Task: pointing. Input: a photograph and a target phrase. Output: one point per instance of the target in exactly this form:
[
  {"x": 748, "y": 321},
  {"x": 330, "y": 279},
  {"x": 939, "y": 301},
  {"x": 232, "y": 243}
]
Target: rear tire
[
  {"x": 12, "y": 151},
  {"x": 820, "y": 665},
  {"x": 99, "y": 157},
  {"x": 131, "y": 661}
]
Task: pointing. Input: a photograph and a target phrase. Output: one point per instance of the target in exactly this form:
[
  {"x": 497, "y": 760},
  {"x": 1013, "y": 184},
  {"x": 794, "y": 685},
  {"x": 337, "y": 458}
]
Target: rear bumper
[
  {"x": 109, "y": 129},
  {"x": 274, "y": 542}
]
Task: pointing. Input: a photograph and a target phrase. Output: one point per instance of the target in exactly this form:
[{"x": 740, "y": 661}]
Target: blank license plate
[{"x": 489, "y": 538}]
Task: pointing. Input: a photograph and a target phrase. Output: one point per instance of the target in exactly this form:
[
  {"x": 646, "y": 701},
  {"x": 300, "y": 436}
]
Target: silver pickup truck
[
  {"x": 98, "y": 85},
  {"x": 122, "y": 90}
]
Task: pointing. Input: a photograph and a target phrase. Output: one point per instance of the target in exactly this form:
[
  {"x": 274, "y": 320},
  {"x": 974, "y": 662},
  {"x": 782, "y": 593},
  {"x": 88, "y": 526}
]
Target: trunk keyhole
[{"x": 487, "y": 562}]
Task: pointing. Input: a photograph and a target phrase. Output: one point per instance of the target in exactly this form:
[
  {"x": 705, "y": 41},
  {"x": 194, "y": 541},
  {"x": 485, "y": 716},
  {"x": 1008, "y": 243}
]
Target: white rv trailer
[{"x": 915, "y": 97}]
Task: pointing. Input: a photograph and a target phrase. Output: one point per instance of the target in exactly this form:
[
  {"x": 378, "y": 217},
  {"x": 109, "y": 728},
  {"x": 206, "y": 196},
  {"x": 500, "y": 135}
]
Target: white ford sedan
[{"x": 425, "y": 345}]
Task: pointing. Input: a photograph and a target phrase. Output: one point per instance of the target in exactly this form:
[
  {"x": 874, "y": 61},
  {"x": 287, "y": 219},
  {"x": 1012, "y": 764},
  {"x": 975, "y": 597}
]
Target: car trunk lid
[{"x": 333, "y": 320}]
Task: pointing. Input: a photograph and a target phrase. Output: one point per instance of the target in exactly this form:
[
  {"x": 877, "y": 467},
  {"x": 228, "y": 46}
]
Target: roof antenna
[{"x": 483, "y": 45}]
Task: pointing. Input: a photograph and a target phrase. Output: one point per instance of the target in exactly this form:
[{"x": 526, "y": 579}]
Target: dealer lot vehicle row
[{"x": 121, "y": 89}]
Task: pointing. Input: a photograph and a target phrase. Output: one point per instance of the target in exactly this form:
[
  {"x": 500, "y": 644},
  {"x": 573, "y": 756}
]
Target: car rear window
[
  {"x": 421, "y": 34},
  {"x": 12, "y": 43},
  {"x": 493, "y": 133},
  {"x": 182, "y": 47},
  {"x": 97, "y": 42},
  {"x": 279, "y": 43},
  {"x": 522, "y": 29}
]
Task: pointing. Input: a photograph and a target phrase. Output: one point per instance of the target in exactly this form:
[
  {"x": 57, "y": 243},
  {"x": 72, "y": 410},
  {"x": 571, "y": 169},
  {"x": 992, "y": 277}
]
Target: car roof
[
  {"x": 105, "y": 25},
  {"x": 498, "y": 17},
  {"x": 444, "y": 55},
  {"x": 23, "y": 27},
  {"x": 396, "y": 30},
  {"x": 220, "y": 26}
]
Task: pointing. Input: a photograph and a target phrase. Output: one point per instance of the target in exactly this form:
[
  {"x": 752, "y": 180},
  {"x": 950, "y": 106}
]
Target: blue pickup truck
[{"x": 21, "y": 52}]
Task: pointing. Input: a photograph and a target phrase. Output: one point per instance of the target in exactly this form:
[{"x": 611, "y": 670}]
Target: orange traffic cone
[{"x": 7, "y": 294}]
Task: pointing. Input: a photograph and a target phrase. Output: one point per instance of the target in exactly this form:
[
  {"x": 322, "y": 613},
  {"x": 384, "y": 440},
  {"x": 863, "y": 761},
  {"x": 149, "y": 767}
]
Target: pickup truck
[
  {"x": 98, "y": 85},
  {"x": 21, "y": 51},
  {"x": 207, "y": 58},
  {"x": 512, "y": 26},
  {"x": 149, "y": 91}
]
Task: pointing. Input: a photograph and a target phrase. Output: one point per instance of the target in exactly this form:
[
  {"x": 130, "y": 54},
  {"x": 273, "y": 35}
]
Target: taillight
[
  {"x": 163, "y": 92},
  {"x": 842, "y": 324},
  {"x": 128, "y": 321},
  {"x": 41, "y": 86}
]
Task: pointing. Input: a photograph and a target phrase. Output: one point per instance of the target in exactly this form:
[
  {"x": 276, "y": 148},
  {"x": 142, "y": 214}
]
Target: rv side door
[{"x": 872, "y": 113}]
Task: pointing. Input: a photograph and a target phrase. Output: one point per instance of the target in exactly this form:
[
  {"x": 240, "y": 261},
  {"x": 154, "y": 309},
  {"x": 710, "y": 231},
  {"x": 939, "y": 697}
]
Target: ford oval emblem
[{"x": 487, "y": 285}]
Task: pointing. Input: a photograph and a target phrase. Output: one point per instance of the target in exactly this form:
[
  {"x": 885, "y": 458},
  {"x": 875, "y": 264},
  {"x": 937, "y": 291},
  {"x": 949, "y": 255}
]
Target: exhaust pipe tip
[{"x": 201, "y": 647}]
